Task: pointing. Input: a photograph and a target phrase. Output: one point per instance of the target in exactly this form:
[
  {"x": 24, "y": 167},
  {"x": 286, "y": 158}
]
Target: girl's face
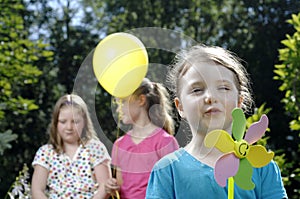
[
  {"x": 129, "y": 109},
  {"x": 207, "y": 96},
  {"x": 70, "y": 124}
]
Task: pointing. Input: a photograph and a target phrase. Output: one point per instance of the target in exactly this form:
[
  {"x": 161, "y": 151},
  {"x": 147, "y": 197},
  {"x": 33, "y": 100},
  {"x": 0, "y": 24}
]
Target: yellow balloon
[{"x": 120, "y": 63}]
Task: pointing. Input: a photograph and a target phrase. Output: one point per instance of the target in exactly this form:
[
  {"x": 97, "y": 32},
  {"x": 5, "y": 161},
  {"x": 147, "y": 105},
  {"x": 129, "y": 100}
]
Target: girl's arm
[
  {"x": 113, "y": 184},
  {"x": 39, "y": 182},
  {"x": 102, "y": 173}
]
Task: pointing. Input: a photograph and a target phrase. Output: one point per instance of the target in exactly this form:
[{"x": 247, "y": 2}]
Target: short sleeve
[
  {"x": 170, "y": 145},
  {"x": 43, "y": 156},
  {"x": 160, "y": 184},
  {"x": 272, "y": 184},
  {"x": 98, "y": 152}
]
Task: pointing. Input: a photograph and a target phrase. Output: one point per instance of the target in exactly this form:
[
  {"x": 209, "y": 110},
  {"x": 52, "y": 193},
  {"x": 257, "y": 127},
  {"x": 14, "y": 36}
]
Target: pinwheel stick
[{"x": 230, "y": 188}]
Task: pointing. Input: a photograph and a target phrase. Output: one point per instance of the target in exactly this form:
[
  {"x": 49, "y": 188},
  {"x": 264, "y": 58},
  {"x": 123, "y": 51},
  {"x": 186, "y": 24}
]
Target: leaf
[
  {"x": 288, "y": 43},
  {"x": 5, "y": 138}
]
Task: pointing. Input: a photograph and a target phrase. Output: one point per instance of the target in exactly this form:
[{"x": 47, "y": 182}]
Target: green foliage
[
  {"x": 288, "y": 72},
  {"x": 19, "y": 77},
  {"x": 32, "y": 78},
  {"x": 21, "y": 187},
  {"x": 5, "y": 138}
]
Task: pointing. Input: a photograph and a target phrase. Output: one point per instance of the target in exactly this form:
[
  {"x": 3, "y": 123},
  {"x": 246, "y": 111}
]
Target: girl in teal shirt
[{"x": 209, "y": 82}]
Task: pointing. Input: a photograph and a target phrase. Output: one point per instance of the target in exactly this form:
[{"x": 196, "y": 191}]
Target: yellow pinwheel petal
[
  {"x": 258, "y": 156},
  {"x": 219, "y": 139}
]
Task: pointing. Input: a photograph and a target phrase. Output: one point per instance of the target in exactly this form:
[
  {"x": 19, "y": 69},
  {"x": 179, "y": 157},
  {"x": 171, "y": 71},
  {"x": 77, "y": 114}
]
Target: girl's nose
[
  {"x": 70, "y": 125},
  {"x": 209, "y": 98}
]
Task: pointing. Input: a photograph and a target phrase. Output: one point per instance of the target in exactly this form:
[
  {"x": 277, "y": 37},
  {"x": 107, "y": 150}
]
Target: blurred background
[{"x": 44, "y": 44}]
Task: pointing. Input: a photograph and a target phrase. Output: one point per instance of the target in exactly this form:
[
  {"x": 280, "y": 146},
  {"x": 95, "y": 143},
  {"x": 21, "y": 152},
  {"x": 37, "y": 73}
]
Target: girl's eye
[
  {"x": 77, "y": 121},
  {"x": 62, "y": 121},
  {"x": 225, "y": 88},
  {"x": 197, "y": 90}
]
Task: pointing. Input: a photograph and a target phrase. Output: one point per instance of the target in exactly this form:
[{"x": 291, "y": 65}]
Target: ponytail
[
  {"x": 164, "y": 115},
  {"x": 158, "y": 105}
]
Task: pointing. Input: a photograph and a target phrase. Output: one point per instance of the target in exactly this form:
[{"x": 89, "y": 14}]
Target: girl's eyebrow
[
  {"x": 226, "y": 81},
  {"x": 197, "y": 83}
]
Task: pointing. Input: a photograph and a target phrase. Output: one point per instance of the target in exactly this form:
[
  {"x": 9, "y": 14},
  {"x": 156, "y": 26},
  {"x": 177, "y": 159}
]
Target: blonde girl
[{"x": 74, "y": 164}]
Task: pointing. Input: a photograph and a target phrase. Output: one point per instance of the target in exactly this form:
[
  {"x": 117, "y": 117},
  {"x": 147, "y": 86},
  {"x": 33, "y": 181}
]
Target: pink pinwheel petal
[
  {"x": 226, "y": 166},
  {"x": 257, "y": 129}
]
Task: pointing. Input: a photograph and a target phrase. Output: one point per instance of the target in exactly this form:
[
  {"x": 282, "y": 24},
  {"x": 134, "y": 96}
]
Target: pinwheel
[{"x": 239, "y": 155}]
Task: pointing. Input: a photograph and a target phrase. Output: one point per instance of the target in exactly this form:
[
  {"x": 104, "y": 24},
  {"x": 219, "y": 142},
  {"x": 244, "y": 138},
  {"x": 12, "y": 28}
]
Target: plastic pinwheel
[{"x": 239, "y": 155}]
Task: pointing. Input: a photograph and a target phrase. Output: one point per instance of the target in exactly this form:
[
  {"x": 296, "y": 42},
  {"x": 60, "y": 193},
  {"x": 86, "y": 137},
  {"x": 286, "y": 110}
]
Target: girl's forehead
[
  {"x": 209, "y": 71},
  {"x": 70, "y": 109}
]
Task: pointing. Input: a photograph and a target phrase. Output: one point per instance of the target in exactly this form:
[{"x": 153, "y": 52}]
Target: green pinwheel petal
[
  {"x": 244, "y": 175},
  {"x": 238, "y": 124}
]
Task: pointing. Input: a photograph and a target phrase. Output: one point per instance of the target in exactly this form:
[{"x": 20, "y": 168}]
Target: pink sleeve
[{"x": 170, "y": 145}]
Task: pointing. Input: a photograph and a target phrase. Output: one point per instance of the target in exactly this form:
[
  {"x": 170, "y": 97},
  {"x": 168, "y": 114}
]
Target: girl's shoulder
[
  {"x": 46, "y": 148},
  {"x": 160, "y": 132},
  {"x": 94, "y": 143},
  {"x": 162, "y": 136},
  {"x": 123, "y": 138},
  {"x": 171, "y": 158}
]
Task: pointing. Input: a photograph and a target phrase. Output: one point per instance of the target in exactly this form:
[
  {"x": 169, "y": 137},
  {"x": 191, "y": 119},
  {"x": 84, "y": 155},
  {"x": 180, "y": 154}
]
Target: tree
[
  {"x": 252, "y": 29},
  {"x": 288, "y": 73},
  {"x": 18, "y": 73}
]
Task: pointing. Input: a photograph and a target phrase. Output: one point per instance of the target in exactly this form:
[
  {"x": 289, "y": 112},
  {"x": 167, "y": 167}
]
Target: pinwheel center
[{"x": 241, "y": 148}]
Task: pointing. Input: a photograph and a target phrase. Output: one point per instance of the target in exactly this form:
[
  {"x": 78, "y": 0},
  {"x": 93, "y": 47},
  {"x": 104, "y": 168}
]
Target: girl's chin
[{"x": 126, "y": 122}]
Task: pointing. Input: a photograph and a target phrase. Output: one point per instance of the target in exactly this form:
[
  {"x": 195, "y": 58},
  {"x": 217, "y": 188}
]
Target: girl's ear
[
  {"x": 240, "y": 102},
  {"x": 179, "y": 107},
  {"x": 142, "y": 100}
]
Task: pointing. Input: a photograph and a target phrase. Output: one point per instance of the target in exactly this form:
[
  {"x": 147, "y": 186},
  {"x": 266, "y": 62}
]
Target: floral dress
[{"x": 71, "y": 178}]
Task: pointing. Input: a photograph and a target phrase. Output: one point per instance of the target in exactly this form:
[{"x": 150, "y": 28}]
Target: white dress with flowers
[{"x": 71, "y": 178}]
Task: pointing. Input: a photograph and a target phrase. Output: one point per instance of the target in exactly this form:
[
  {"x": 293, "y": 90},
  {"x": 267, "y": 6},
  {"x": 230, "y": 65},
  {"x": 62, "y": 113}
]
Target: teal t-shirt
[{"x": 179, "y": 175}]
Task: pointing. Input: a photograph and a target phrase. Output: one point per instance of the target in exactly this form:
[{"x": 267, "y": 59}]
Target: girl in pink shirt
[{"x": 149, "y": 112}]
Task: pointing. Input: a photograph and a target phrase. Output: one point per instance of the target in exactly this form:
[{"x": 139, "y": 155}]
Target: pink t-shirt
[{"x": 136, "y": 160}]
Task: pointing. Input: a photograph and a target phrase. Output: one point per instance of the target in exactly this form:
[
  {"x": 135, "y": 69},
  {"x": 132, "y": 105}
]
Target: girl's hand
[{"x": 111, "y": 186}]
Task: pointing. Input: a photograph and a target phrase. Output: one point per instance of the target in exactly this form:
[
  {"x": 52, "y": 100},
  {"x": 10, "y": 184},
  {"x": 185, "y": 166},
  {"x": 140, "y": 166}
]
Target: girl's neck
[
  {"x": 70, "y": 149},
  {"x": 205, "y": 155},
  {"x": 140, "y": 132}
]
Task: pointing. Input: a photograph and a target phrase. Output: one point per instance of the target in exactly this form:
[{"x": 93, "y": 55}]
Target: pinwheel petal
[
  {"x": 244, "y": 175},
  {"x": 238, "y": 123},
  {"x": 257, "y": 129},
  {"x": 219, "y": 139},
  {"x": 258, "y": 156},
  {"x": 226, "y": 166}
]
